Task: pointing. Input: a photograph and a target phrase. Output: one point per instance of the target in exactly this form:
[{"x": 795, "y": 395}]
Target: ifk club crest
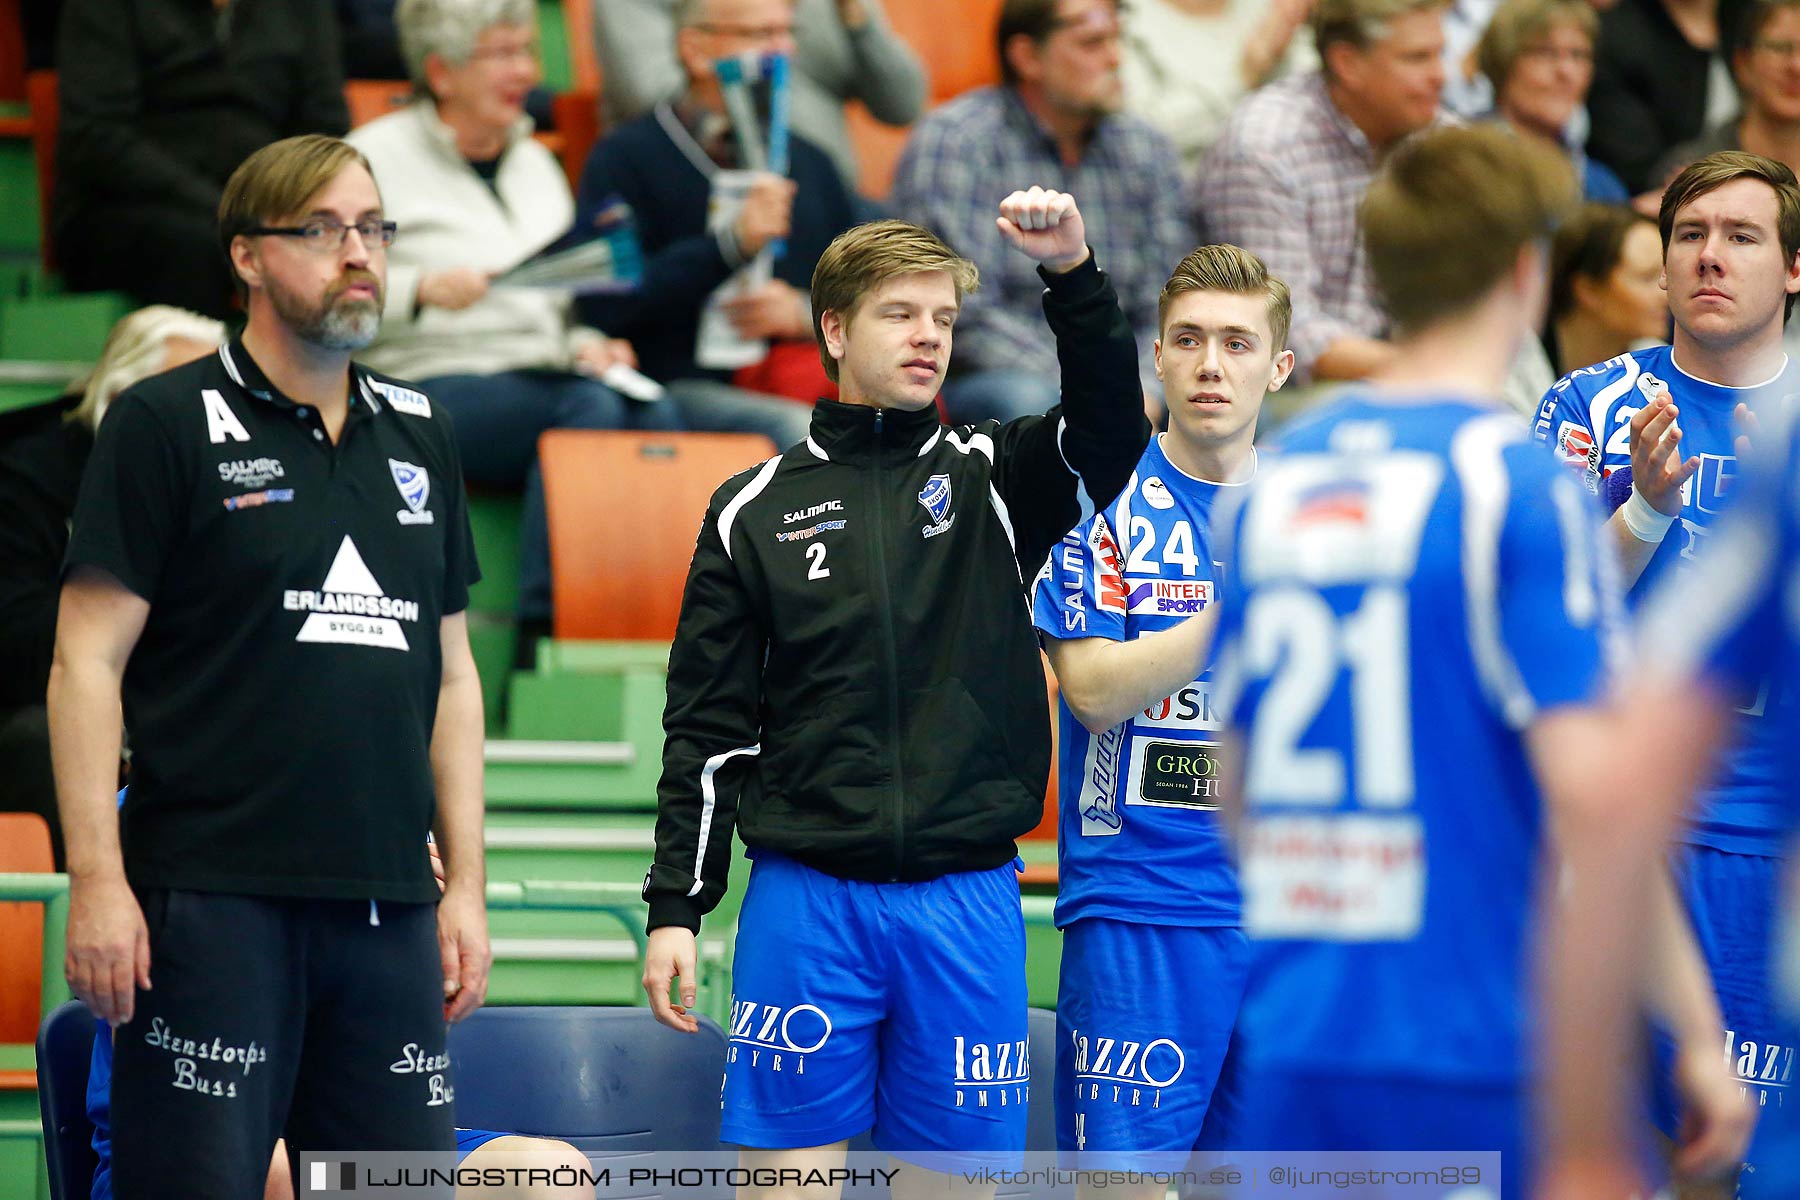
[
  {"x": 415, "y": 489},
  {"x": 935, "y": 496}
]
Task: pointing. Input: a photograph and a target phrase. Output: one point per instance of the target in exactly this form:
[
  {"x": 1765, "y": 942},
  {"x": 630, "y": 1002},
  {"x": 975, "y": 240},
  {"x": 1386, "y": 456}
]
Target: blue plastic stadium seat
[
  {"x": 65, "y": 1045},
  {"x": 610, "y": 1081}
]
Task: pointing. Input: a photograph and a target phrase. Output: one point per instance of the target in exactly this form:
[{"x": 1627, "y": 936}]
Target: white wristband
[{"x": 1645, "y": 523}]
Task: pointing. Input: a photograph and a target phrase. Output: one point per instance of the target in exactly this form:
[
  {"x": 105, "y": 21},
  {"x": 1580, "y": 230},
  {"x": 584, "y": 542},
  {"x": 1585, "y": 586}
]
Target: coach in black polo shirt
[{"x": 269, "y": 563}]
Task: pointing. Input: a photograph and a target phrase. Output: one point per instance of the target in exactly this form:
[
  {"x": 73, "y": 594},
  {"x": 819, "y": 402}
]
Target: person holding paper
[
  {"x": 729, "y": 247},
  {"x": 476, "y": 196}
]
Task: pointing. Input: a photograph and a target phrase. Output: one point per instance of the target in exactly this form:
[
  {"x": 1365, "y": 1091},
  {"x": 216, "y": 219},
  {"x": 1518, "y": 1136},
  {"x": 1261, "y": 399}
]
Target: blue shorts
[
  {"x": 1293, "y": 1111},
  {"x": 896, "y": 1006},
  {"x": 1730, "y": 900},
  {"x": 1144, "y": 1015},
  {"x": 1773, "y": 1172},
  {"x": 470, "y": 1140}
]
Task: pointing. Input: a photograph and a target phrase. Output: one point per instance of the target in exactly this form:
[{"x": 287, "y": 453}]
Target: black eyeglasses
[{"x": 324, "y": 233}]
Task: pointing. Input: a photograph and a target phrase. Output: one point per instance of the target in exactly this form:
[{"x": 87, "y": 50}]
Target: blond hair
[
  {"x": 1718, "y": 169},
  {"x": 1226, "y": 268},
  {"x": 276, "y": 181},
  {"x": 1516, "y": 24},
  {"x": 134, "y": 351},
  {"x": 861, "y": 259},
  {"x": 1360, "y": 23},
  {"x": 1445, "y": 220}
]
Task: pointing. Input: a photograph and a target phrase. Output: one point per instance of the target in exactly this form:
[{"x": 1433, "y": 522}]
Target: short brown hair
[
  {"x": 1360, "y": 23},
  {"x": 275, "y": 181},
  {"x": 1036, "y": 19},
  {"x": 1722, "y": 167},
  {"x": 1446, "y": 218},
  {"x": 1226, "y": 268},
  {"x": 1516, "y": 24},
  {"x": 1752, "y": 22},
  {"x": 1588, "y": 245},
  {"x": 861, "y": 259}
]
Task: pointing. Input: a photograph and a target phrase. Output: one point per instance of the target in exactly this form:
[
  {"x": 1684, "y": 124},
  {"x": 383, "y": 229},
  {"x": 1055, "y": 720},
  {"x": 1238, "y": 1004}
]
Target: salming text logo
[
  {"x": 815, "y": 510},
  {"x": 251, "y": 472}
]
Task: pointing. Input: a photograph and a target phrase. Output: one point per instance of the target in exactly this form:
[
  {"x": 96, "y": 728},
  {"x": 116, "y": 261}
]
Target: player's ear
[
  {"x": 245, "y": 262},
  {"x": 1281, "y": 370},
  {"x": 834, "y": 327}
]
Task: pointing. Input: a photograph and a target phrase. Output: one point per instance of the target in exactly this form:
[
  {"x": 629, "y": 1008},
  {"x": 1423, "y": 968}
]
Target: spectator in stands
[
  {"x": 1467, "y": 92},
  {"x": 1288, "y": 175},
  {"x": 474, "y": 195},
  {"x": 42, "y": 453},
  {"x": 1539, "y": 56},
  {"x": 1606, "y": 293},
  {"x": 715, "y": 299},
  {"x": 1766, "y": 58},
  {"x": 1660, "y": 78},
  {"x": 160, "y": 101},
  {"x": 1055, "y": 117},
  {"x": 843, "y": 50},
  {"x": 1188, "y": 62}
]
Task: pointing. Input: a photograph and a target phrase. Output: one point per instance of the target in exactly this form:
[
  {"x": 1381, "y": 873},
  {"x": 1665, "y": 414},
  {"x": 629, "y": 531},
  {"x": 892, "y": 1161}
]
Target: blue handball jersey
[
  {"x": 1735, "y": 618},
  {"x": 1586, "y": 416},
  {"x": 1405, "y": 588},
  {"x": 1138, "y": 837}
]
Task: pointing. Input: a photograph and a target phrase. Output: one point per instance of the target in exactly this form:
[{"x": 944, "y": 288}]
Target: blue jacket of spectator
[{"x": 642, "y": 164}]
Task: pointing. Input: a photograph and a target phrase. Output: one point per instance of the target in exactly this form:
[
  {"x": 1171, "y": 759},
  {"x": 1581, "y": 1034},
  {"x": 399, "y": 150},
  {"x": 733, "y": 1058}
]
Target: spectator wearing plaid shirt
[
  {"x": 1286, "y": 179},
  {"x": 1055, "y": 118}
]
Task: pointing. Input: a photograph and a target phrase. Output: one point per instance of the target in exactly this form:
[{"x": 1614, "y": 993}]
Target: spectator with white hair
[
  {"x": 42, "y": 453},
  {"x": 475, "y": 195}
]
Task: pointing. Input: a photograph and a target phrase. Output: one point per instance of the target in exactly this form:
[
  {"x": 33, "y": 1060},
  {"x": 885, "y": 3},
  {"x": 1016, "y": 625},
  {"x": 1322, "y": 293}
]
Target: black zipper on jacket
[{"x": 889, "y": 654}]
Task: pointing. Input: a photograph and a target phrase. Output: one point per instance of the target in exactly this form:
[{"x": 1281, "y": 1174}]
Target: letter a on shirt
[{"x": 221, "y": 422}]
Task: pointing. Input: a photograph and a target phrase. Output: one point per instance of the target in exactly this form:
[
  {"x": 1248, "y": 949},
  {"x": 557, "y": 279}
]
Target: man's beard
[{"x": 334, "y": 323}]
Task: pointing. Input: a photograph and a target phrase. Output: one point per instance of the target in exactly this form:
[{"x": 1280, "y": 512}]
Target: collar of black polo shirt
[{"x": 249, "y": 376}]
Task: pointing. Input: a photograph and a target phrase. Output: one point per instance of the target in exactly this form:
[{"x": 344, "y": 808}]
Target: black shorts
[{"x": 273, "y": 1018}]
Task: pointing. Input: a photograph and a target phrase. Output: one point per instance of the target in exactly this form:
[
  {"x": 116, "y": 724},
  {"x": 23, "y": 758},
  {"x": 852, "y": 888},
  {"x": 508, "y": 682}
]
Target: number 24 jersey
[{"x": 1137, "y": 835}]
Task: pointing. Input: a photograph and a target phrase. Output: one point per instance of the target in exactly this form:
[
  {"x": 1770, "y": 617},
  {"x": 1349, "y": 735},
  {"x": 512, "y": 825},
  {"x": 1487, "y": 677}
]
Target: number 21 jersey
[{"x": 1406, "y": 587}]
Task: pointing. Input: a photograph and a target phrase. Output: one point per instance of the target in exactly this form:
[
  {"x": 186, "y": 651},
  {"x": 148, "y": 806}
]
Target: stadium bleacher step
[{"x": 70, "y": 327}]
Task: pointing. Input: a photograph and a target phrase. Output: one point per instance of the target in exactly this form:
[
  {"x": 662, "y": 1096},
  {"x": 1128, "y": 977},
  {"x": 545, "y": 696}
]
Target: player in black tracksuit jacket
[{"x": 855, "y": 685}]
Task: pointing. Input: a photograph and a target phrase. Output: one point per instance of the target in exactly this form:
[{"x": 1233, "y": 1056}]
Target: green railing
[{"x": 52, "y": 891}]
